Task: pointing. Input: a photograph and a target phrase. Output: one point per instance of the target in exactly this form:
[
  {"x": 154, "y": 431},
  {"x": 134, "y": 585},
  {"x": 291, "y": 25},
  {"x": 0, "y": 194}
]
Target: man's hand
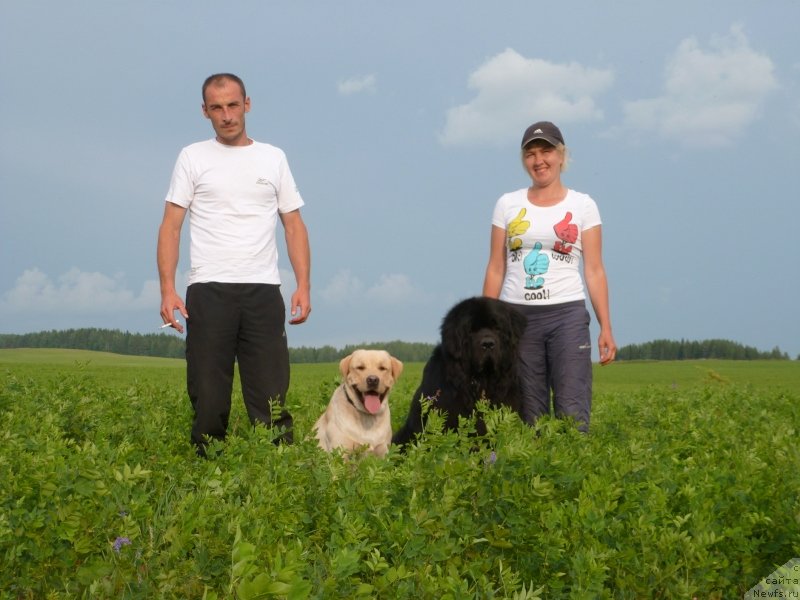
[
  {"x": 300, "y": 307},
  {"x": 169, "y": 304}
]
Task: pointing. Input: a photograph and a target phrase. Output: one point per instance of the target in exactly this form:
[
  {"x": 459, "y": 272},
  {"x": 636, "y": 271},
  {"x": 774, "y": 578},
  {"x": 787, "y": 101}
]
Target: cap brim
[{"x": 550, "y": 140}]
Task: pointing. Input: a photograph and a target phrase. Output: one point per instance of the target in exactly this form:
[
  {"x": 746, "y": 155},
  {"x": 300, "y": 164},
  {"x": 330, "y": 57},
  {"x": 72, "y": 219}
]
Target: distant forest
[
  {"x": 171, "y": 346},
  {"x": 687, "y": 350}
]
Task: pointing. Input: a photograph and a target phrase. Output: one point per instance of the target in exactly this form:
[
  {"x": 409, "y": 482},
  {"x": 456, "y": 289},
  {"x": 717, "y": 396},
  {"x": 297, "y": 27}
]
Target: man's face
[{"x": 225, "y": 107}]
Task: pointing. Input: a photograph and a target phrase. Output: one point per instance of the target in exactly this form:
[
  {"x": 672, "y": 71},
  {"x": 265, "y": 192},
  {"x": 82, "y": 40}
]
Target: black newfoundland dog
[{"x": 476, "y": 358}]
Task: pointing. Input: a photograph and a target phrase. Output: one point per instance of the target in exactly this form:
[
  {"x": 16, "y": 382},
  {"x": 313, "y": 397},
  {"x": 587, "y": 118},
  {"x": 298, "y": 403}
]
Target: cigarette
[{"x": 165, "y": 325}]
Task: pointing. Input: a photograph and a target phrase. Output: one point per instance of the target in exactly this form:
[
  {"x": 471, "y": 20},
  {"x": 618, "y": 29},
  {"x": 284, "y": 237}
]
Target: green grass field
[
  {"x": 621, "y": 376},
  {"x": 315, "y": 382},
  {"x": 686, "y": 487}
]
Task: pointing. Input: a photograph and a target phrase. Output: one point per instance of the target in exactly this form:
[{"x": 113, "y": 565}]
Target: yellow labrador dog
[{"x": 358, "y": 412}]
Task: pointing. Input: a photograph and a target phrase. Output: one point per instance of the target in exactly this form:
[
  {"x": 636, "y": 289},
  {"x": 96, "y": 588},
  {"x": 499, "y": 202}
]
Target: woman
[{"x": 540, "y": 237}]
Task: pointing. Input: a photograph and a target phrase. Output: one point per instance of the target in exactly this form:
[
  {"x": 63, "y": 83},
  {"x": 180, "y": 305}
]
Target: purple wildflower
[{"x": 120, "y": 542}]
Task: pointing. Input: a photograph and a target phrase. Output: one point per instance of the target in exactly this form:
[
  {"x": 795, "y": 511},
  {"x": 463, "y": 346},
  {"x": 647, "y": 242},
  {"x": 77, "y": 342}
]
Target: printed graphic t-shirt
[
  {"x": 233, "y": 195},
  {"x": 543, "y": 246}
]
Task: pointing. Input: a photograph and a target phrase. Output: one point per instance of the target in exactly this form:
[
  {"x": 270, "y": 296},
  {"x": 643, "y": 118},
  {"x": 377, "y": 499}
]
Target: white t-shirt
[
  {"x": 233, "y": 194},
  {"x": 543, "y": 247}
]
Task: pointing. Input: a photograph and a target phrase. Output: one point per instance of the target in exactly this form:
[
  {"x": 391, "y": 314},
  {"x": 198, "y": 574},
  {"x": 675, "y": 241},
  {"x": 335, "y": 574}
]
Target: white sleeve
[
  {"x": 181, "y": 186},
  {"x": 591, "y": 214},
  {"x": 498, "y": 215},
  {"x": 289, "y": 198}
]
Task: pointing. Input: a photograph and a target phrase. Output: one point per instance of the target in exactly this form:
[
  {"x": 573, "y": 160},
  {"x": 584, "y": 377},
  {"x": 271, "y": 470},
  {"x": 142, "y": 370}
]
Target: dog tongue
[{"x": 372, "y": 402}]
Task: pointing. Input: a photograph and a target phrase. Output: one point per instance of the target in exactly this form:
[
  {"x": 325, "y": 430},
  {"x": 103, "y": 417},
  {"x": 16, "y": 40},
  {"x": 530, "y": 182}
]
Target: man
[{"x": 234, "y": 190}]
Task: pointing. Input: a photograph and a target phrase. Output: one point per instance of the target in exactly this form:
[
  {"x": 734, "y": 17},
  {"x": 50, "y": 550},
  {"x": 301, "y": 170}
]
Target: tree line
[
  {"x": 405, "y": 351},
  {"x": 687, "y": 350},
  {"x": 171, "y": 346},
  {"x": 167, "y": 345},
  {"x": 101, "y": 340}
]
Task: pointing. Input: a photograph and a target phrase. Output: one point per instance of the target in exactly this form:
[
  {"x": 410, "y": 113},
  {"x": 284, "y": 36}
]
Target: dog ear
[
  {"x": 397, "y": 368},
  {"x": 456, "y": 329},
  {"x": 344, "y": 364}
]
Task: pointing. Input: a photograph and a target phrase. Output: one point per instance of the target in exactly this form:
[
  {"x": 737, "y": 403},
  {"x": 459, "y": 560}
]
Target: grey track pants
[{"x": 556, "y": 356}]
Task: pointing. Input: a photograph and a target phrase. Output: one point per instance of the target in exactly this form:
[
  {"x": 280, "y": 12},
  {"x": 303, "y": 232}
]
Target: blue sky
[{"x": 401, "y": 122}]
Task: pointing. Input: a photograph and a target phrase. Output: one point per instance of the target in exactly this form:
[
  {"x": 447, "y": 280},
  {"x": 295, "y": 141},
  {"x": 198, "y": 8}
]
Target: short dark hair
[{"x": 219, "y": 78}]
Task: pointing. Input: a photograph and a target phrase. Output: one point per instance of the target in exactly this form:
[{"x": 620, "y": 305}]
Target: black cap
[{"x": 543, "y": 130}]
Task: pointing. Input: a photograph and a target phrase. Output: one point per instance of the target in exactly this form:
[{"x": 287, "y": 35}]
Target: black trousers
[{"x": 228, "y": 323}]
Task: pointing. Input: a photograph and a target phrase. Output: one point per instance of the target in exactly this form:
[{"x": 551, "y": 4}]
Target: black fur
[{"x": 477, "y": 357}]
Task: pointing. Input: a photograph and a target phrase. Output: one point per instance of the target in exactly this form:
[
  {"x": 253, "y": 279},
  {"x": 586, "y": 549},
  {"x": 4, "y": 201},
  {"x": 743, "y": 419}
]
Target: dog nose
[
  {"x": 487, "y": 343},
  {"x": 372, "y": 381}
]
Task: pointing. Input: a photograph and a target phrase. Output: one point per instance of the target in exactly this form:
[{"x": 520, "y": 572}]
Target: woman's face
[{"x": 543, "y": 162}]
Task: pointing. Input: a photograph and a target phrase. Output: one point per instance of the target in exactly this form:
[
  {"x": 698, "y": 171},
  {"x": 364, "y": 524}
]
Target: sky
[{"x": 401, "y": 122}]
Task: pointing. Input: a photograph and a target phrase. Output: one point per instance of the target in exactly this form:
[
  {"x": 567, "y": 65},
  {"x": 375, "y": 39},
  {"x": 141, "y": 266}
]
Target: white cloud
[
  {"x": 710, "y": 95},
  {"x": 514, "y": 91},
  {"x": 357, "y": 85},
  {"x": 391, "y": 289},
  {"x": 343, "y": 287},
  {"x": 77, "y": 292}
]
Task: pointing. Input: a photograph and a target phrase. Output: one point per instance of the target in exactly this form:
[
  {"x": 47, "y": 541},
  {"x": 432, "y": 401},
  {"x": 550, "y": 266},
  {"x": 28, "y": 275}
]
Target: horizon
[{"x": 399, "y": 341}]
